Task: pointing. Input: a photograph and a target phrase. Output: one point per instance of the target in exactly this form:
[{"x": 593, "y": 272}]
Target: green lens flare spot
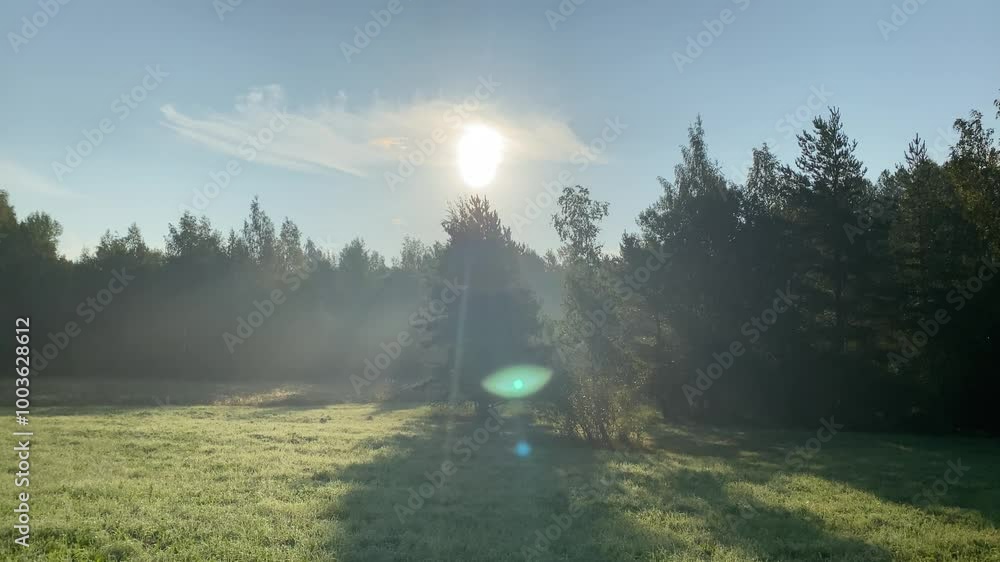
[{"x": 517, "y": 381}]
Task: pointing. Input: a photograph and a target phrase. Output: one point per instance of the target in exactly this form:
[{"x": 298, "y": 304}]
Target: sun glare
[{"x": 480, "y": 151}]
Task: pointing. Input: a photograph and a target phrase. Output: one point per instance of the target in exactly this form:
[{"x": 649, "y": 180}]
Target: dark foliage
[{"x": 810, "y": 288}]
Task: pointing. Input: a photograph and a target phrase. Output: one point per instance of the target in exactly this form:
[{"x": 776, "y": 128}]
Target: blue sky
[{"x": 345, "y": 123}]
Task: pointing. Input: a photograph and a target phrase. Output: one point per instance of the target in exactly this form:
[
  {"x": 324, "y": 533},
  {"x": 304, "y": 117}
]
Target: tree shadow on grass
[
  {"x": 741, "y": 527},
  {"x": 911, "y": 470},
  {"x": 935, "y": 474},
  {"x": 494, "y": 504},
  {"x": 563, "y": 501},
  {"x": 380, "y": 517},
  {"x": 905, "y": 470}
]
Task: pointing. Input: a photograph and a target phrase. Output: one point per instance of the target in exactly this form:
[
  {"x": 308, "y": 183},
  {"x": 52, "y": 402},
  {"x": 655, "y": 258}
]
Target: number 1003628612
[{"x": 22, "y": 364}]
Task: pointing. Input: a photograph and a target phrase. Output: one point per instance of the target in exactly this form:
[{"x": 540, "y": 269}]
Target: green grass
[{"x": 258, "y": 482}]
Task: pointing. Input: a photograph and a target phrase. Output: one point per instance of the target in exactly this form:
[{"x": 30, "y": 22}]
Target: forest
[{"x": 809, "y": 290}]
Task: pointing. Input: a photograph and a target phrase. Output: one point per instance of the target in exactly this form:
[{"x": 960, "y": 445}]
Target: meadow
[{"x": 262, "y": 475}]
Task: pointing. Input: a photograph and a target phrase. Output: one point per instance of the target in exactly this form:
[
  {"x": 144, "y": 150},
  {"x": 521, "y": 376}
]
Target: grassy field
[{"x": 258, "y": 480}]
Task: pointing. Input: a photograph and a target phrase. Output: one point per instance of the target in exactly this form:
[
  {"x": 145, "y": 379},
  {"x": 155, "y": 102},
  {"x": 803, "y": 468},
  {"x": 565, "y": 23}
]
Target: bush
[{"x": 594, "y": 403}]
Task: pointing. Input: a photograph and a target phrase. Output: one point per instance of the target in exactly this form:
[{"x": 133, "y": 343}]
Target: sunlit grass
[{"x": 219, "y": 482}]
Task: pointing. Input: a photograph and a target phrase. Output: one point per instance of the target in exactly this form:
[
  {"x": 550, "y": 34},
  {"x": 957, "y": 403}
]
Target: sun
[{"x": 480, "y": 151}]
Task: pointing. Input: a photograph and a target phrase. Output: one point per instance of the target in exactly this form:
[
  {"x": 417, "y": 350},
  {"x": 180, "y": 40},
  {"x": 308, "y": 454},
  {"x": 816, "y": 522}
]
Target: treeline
[
  {"x": 260, "y": 302},
  {"x": 807, "y": 291}
]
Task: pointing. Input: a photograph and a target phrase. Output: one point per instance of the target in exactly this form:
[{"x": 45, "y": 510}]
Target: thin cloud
[
  {"x": 18, "y": 179},
  {"x": 331, "y": 138}
]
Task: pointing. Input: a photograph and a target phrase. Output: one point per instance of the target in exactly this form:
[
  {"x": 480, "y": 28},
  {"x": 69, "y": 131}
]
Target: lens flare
[
  {"x": 517, "y": 381},
  {"x": 522, "y": 449}
]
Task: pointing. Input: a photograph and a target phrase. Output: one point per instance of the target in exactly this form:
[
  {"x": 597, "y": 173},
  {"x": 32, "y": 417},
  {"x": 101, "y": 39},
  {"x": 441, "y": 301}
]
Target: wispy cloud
[
  {"x": 332, "y": 137},
  {"x": 18, "y": 179}
]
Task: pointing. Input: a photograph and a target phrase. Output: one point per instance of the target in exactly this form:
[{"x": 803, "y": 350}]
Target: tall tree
[
  {"x": 484, "y": 317},
  {"x": 291, "y": 255},
  {"x": 259, "y": 237},
  {"x": 831, "y": 186}
]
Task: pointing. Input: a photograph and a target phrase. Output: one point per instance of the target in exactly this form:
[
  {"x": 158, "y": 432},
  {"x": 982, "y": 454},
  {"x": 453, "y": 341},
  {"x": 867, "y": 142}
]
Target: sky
[{"x": 118, "y": 112}]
